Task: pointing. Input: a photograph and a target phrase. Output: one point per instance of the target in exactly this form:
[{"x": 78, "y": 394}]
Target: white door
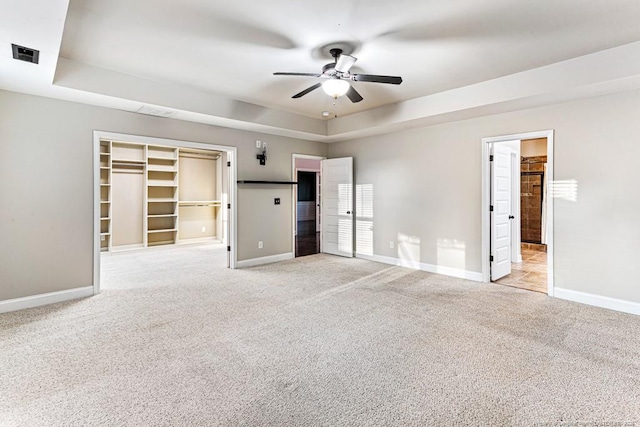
[
  {"x": 337, "y": 206},
  {"x": 501, "y": 213}
]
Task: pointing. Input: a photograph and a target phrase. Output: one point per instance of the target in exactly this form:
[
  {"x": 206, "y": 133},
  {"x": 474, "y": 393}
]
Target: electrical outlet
[
  {"x": 392, "y": 244},
  {"x": 258, "y": 144},
  {"x": 204, "y": 229},
  {"x": 103, "y": 238},
  {"x": 260, "y": 244},
  {"x": 264, "y": 145}
]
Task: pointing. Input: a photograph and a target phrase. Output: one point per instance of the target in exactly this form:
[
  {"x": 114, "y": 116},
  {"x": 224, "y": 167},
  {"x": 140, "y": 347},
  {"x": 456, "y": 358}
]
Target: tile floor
[{"x": 531, "y": 273}]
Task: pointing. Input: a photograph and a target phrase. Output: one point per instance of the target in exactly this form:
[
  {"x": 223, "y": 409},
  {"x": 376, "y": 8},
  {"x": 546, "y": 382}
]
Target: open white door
[
  {"x": 500, "y": 211},
  {"x": 337, "y": 206}
]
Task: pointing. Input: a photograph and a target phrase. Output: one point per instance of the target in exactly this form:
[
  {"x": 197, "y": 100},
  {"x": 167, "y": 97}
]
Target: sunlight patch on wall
[
  {"x": 564, "y": 189},
  {"x": 364, "y": 219},
  {"x": 451, "y": 253},
  {"x": 364, "y": 237},
  {"x": 364, "y": 200},
  {"x": 409, "y": 249}
]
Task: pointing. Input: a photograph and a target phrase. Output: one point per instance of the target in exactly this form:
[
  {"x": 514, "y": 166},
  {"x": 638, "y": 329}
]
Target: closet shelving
[
  {"x": 148, "y": 198},
  {"x": 162, "y": 195},
  {"x": 105, "y": 196}
]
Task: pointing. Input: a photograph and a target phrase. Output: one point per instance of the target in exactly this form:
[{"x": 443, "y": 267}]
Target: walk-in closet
[{"x": 160, "y": 195}]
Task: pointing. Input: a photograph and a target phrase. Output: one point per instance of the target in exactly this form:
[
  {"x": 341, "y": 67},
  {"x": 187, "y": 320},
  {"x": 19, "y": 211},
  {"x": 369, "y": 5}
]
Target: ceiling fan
[{"x": 337, "y": 78}]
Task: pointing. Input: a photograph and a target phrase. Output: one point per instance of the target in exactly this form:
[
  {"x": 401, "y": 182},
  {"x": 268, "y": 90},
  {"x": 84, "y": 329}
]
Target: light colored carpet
[{"x": 174, "y": 339}]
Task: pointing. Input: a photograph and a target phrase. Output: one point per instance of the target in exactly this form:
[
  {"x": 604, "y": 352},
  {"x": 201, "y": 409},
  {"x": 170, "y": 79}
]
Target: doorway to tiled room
[
  {"x": 531, "y": 272},
  {"x": 519, "y": 224}
]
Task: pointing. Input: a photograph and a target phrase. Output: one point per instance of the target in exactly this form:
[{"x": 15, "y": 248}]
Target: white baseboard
[
  {"x": 264, "y": 260},
  {"x": 598, "y": 300},
  {"x": 44, "y": 299},
  {"x": 447, "y": 271}
]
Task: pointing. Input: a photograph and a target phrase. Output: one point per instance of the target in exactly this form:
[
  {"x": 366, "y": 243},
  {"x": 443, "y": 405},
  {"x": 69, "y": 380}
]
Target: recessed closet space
[
  {"x": 154, "y": 195},
  {"x": 200, "y": 189}
]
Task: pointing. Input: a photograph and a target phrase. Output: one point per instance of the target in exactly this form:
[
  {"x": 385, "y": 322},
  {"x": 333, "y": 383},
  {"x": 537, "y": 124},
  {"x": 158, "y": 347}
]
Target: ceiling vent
[
  {"x": 25, "y": 53},
  {"x": 152, "y": 111}
]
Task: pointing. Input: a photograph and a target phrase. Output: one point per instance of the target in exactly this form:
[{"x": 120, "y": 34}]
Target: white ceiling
[{"x": 212, "y": 62}]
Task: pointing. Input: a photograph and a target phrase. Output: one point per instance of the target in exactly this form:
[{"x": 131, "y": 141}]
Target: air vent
[
  {"x": 152, "y": 111},
  {"x": 25, "y": 53}
]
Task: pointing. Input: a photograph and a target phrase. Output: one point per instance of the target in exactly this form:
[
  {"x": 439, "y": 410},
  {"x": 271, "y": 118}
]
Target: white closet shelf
[
  {"x": 105, "y": 167},
  {"x": 105, "y": 154},
  {"x": 162, "y": 201},
  {"x": 105, "y": 185},
  {"x": 162, "y": 184},
  {"x": 162, "y": 158},
  {"x": 199, "y": 202},
  {"x": 105, "y": 234},
  {"x": 164, "y": 230},
  {"x": 104, "y": 201},
  {"x": 162, "y": 215},
  {"x": 105, "y": 218},
  {"x": 161, "y": 168}
]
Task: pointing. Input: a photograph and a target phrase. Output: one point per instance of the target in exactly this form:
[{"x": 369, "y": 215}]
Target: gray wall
[
  {"x": 46, "y": 188},
  {"x": 426, "y": 185}
]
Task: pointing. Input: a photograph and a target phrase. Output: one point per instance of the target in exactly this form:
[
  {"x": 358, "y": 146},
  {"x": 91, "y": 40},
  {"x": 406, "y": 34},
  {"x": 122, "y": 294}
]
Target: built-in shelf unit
[
  {"x": 105, "y": 196},
  {"x": 162, "y": 195},
  {"x": 157, "y": 195}
]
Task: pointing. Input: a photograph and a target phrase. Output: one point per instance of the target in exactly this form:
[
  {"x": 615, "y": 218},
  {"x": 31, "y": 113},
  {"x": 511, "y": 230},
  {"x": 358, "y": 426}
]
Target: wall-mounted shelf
[{"x": 244, "y": 181}]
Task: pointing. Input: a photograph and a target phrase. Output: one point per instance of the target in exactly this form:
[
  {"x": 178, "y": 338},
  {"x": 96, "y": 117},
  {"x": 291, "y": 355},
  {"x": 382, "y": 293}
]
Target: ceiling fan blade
[
  {"x": 345, "y": 62},
  {"x": 296, "y": 74},
  {"x": 307, "y": 90},
  {"x": 353, "y": 95},
  {"x": 394, "y": 80}
]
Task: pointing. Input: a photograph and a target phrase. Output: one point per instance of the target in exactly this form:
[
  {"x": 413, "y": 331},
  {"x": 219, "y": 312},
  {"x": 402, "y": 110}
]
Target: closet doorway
[
  {"x": 307, "y": 194},
  {"x": 152, "y": 192}
]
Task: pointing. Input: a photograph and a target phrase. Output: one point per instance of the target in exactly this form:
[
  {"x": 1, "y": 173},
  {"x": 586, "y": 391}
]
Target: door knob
[{"x": 511, "y": 217}]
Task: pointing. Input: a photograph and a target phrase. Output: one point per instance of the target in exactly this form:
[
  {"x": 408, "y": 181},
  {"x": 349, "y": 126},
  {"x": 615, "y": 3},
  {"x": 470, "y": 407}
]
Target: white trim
[
  {"x": 516, "y": 224},
  {"x": 264, "y": 260},
  {"x": 121, "y": 137},
  {"x": 96, "y": 213},
  {"x": 44, "y": 299},
  {"x": 438, "y": 269},
  {"x": 598, "y": 301},
  {"x": 486, "y": 147},
  {"x": 294, "y": 193}
]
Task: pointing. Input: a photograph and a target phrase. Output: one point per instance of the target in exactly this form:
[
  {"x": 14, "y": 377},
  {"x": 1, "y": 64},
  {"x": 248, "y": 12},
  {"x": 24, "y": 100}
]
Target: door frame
[
  {"x": 113, "y": 136},
  {"x": 486, "y": 200},
  {"x": 294, "y": 194}
]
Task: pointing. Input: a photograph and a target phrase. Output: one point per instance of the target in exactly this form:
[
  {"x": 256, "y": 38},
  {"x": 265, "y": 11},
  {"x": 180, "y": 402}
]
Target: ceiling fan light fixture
[{"x": 335, "y": 88}]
